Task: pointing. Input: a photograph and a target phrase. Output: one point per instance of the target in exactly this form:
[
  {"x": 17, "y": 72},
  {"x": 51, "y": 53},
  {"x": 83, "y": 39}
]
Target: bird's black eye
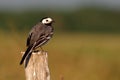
[{"x": 47, "y": 20}]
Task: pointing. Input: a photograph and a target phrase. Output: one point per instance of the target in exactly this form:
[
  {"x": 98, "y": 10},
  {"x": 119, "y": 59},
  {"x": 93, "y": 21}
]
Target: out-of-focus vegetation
[
  {"x": 89, "y": 20},
  {"x": 75, "y": 56}
]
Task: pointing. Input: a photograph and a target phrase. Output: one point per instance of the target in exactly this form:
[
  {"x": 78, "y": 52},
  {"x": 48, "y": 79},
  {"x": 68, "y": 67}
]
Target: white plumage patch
[
  {"x": 48, "y": 37},
  {"x": 47, "y": 21}
]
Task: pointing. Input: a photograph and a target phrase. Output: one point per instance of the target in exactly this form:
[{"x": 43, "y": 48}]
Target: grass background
[{"x": 75, "y": 56}]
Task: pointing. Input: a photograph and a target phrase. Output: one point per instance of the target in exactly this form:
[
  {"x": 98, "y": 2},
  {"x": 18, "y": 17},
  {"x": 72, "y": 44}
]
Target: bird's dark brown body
[{"x": 38, "y": 36}]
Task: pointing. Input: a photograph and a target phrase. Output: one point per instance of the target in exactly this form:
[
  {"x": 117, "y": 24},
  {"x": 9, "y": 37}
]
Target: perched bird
[{"x": 40, "y": 34}]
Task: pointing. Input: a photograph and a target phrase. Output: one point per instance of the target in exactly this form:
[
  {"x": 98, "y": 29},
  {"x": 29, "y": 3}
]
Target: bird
[{"x": 39, "y": 35}]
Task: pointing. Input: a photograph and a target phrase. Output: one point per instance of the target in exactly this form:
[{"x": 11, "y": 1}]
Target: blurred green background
[{"x": 85, "y": 45}]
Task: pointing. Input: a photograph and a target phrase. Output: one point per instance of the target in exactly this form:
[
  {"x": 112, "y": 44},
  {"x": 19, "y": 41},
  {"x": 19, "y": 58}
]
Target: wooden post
[{"x": 37, "y": 67}]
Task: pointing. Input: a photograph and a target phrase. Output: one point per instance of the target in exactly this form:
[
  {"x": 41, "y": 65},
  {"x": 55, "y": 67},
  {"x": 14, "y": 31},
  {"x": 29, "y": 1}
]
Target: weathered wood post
[{"x": 37, "y": 67}]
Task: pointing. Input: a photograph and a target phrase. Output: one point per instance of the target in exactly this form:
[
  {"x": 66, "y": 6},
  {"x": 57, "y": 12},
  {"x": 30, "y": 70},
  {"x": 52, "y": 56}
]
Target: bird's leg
[
  {"x": 36, "y": 51},
  {"x": 41, "y": 49}
]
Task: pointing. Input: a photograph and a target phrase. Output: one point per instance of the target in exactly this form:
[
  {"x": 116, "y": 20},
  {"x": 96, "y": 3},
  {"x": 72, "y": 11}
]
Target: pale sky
[{"x": 24, "y": 4}]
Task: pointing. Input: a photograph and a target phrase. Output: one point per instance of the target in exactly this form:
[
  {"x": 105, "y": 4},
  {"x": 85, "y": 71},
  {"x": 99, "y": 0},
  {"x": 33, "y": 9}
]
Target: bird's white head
[{"x": 47, "y": 20}]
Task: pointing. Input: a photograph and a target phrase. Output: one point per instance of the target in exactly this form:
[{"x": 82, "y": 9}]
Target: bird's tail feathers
[{"x": 29, "y": 50}]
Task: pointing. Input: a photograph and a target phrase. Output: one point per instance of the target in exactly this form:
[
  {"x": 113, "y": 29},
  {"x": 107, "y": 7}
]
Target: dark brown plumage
[{"x": 40, "y": 34}]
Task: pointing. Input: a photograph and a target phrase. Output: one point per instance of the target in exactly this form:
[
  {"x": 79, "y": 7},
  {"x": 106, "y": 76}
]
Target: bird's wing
[
  {"x": 43, "y": 38},
  {"x": 40, "y": 34},
  {"x": 33, "y": 34},
  {"x": 40, "y": 41}
]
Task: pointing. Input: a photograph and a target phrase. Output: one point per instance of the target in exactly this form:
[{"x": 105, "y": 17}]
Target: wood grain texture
[{"x": 37, "y": 67}]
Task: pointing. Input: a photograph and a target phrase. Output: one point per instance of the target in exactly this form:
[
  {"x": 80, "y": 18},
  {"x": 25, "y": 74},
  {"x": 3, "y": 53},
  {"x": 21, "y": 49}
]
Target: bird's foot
[
  {"x": 41, "y": 49},
  {"x": 35, "y": 51}
]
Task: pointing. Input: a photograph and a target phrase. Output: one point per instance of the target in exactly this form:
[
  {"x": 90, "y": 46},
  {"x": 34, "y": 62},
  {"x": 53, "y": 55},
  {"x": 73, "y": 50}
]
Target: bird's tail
[{"x": 29, "y": 50}]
